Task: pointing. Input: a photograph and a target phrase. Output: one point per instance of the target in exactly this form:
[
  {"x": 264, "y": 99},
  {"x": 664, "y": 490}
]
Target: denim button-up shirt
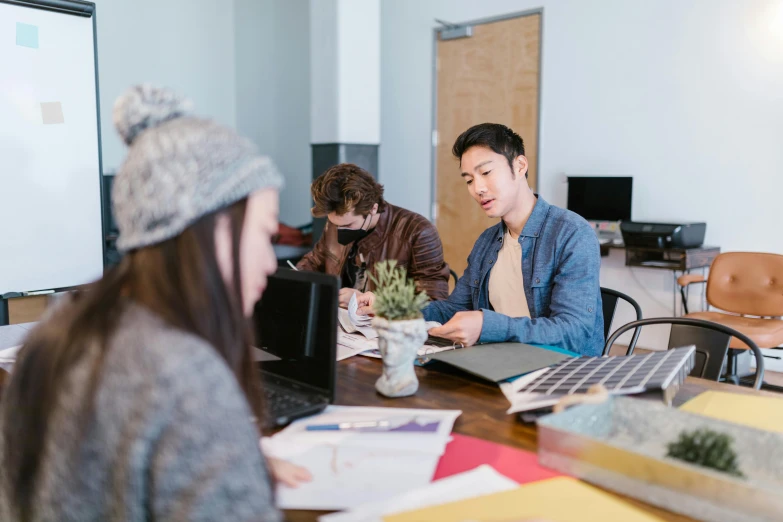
[{"x": 561, "y": 263}]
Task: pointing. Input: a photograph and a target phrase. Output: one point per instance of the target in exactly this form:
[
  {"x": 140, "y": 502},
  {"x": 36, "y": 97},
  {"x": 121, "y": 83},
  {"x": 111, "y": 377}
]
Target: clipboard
[{"x": 496, "y": 362}]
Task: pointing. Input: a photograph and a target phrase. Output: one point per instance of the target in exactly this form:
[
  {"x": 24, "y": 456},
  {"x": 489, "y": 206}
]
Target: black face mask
[{"x": 346, "y": 236}]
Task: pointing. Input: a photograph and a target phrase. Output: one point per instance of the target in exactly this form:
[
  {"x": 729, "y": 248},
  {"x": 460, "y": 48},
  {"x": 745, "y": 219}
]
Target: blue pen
[{"x": 347, "y": 426}]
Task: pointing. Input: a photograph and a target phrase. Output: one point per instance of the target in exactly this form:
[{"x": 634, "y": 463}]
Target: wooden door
[{"x": 492, "y": 76}]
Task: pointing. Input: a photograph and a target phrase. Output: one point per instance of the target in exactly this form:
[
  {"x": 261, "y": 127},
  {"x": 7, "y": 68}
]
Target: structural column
[{"x": 345, "y": 90}]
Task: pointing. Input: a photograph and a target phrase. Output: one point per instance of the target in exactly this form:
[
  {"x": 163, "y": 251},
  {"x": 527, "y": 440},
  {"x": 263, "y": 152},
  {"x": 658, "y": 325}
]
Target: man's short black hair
[{"x": 495, "y": 136}]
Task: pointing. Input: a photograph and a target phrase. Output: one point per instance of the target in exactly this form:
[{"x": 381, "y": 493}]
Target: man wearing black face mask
[{"x": 363, "y": 229}]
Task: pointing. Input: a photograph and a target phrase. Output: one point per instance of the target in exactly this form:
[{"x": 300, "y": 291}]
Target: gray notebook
[{"x": 500, "y": 361}]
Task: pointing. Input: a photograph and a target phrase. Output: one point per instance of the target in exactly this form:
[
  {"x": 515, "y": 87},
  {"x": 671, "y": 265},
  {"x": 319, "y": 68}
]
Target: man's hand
[
  {"x": 464, "y": 328},
  {"x": 345, "y": 296},
  {"x": 366, "y": 302},
  {"x": 287, "y": 473}
]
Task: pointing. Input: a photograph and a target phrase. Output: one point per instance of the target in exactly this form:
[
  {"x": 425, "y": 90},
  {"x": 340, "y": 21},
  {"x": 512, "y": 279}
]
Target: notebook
[{"x": 498, "y": 362}]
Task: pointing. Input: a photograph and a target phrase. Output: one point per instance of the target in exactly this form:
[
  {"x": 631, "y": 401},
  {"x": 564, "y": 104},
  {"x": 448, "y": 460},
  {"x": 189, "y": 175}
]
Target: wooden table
[{"x": 483, "y": 408}]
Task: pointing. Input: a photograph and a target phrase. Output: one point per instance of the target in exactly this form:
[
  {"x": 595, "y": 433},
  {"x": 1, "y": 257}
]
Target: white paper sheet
[
  {"x": 483, "y": 480},
  {"x": 296, "y": 439},
  {"x": 347, "y": 325},
  {"x": 8, "y": 357},
  {"x": 346, "y": 476},
  {"x": 353, "y": 313},
  {"x": 354, "y": 467}
]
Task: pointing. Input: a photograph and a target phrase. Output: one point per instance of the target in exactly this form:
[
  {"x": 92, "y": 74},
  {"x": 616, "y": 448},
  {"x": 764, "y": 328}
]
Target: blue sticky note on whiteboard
[{"x": 27, "y": 35}]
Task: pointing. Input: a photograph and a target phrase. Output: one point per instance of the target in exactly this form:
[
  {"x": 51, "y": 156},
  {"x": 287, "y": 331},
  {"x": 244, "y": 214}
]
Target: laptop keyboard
[{"x": 278, "y": 400}]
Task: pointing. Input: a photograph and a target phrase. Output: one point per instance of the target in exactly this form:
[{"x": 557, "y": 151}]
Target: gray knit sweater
[{"x": 171, "y": 438}]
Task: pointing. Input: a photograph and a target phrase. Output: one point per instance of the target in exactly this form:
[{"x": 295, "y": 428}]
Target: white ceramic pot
[{"x": 399, "y": 342}]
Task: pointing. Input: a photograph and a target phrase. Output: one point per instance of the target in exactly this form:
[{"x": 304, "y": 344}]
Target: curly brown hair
[{"x": 345, "y": 188}]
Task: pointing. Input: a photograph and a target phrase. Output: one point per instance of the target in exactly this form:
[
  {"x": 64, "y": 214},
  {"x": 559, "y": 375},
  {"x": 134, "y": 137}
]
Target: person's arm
[
  {"x": 427, "y": 266},
  {"x": 460, "y": 300},
  {"x": 572, "y": 318},
  {"x": 315, "y": 260},
  {"x": 206, "y": 463}
]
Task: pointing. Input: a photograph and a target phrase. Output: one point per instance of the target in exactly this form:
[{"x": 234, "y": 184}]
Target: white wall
[
  {"x": 185, "y": 44},
  {"x": 683, "y": 96},
  {"x": 345, "y": 74},
  {"x": 273, "y": 92}
]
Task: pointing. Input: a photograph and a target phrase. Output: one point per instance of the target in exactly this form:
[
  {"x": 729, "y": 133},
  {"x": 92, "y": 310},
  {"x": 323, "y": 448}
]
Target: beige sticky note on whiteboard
[{"x": 52, "y": 113}]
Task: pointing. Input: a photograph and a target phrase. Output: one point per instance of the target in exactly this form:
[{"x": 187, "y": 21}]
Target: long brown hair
[{"x": 180, "y": 281}]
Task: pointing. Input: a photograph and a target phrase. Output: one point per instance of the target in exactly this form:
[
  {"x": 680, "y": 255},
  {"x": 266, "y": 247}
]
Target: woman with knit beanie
[{"x": 138, "y": 399}]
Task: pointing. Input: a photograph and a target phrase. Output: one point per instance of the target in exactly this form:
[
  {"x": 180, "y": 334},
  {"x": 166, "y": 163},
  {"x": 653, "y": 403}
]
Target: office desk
[{"x": 483, "y": 408}]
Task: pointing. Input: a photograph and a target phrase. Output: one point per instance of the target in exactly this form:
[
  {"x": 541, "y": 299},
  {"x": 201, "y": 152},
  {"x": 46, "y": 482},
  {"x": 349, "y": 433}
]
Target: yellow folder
[
  {"x": 765, "y": 413},
  {"x": 561, "y": 499}
]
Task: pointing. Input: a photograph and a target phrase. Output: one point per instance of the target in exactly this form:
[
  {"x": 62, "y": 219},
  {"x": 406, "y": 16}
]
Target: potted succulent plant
[{"x": 400, "y": 326}]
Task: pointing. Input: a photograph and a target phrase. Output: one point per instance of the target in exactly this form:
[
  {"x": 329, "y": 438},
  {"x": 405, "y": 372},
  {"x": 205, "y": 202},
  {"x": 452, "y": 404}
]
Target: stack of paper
[
  {"x": 356, "y": 336},
  {"x": 352, "y": 322},
  {"x": 353, "y": 466},
  {"x": 349, "y": 345}
]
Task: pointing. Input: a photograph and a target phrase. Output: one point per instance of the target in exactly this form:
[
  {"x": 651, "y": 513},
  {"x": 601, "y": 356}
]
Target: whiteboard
[{"x": 51, "y": 231}]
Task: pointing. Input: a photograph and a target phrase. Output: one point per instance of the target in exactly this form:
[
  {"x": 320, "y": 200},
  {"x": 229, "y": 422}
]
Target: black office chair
[
  {"x": 711, "y": 341},
  {"x": 609, "y": 300}
]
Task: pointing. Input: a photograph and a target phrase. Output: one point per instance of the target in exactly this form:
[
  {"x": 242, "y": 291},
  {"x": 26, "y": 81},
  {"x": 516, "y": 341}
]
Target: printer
[{"x": 663, "y": 235}]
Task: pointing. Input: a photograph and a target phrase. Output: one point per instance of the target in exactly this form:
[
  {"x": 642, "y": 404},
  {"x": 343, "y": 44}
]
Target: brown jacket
[{"x": 400, "y": 234}]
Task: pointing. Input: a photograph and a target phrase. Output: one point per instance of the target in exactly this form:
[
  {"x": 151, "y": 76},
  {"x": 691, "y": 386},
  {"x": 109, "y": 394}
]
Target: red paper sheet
[{"x": 465, "y": 453}]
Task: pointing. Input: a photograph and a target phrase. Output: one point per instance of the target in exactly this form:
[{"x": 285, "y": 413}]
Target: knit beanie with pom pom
[{"x": 179, "y": 168}]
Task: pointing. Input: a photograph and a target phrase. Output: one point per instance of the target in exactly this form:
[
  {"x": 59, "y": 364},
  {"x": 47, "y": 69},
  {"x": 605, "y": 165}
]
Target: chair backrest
[
  {"x": 712, "y": 349},
  {"x": 609, "y": 300},
  {"x": 749, "y": 283}
]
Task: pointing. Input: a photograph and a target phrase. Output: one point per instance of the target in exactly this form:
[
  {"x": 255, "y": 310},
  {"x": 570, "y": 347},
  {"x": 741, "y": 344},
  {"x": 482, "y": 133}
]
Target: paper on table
[
  {"x": 479, "y": 481},
  {"x": 464, "y": 453},
  {"x": 354, "y": 343},
  {"x": 347, "y": 476},
  {"x": 764, "y": 413},
  {"x": 353, "y": 313},
  {"x": 347, "y": 325},
  {"x": 425, "y": 350},
  {"x": 562, "y": 499},
  {"x": 8, "y": 358},
  {"x": 435, "y": 430},
  {"x": 353, "y": 467},
  {"x": 511, "y": 389}
]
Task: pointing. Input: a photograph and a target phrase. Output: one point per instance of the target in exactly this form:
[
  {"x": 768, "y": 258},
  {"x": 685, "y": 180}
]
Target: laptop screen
[{"x": 296, "y": 327}]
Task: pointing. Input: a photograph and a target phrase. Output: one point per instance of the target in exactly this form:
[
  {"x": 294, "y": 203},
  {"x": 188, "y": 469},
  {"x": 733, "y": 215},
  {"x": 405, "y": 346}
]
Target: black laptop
[{"x": 296, "y": 327}]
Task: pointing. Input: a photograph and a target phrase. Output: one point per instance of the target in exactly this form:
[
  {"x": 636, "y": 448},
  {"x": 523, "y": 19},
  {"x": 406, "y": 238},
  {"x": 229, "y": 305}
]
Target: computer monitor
[
  {"x": 601, "y": 198},
  {"x": 296, "y": 327}
]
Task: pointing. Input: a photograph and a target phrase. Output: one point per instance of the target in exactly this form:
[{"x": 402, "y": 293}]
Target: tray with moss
[{"x": 701, "y": 467}]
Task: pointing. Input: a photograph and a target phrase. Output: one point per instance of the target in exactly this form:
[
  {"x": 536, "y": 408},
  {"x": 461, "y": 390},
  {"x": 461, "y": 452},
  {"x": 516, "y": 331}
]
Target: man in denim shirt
[{"x": 533, "y": 277}]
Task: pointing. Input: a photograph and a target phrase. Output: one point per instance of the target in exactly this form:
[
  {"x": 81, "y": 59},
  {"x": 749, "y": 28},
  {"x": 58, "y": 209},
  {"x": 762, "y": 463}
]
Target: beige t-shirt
[{"x": 506, "y": 288}]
